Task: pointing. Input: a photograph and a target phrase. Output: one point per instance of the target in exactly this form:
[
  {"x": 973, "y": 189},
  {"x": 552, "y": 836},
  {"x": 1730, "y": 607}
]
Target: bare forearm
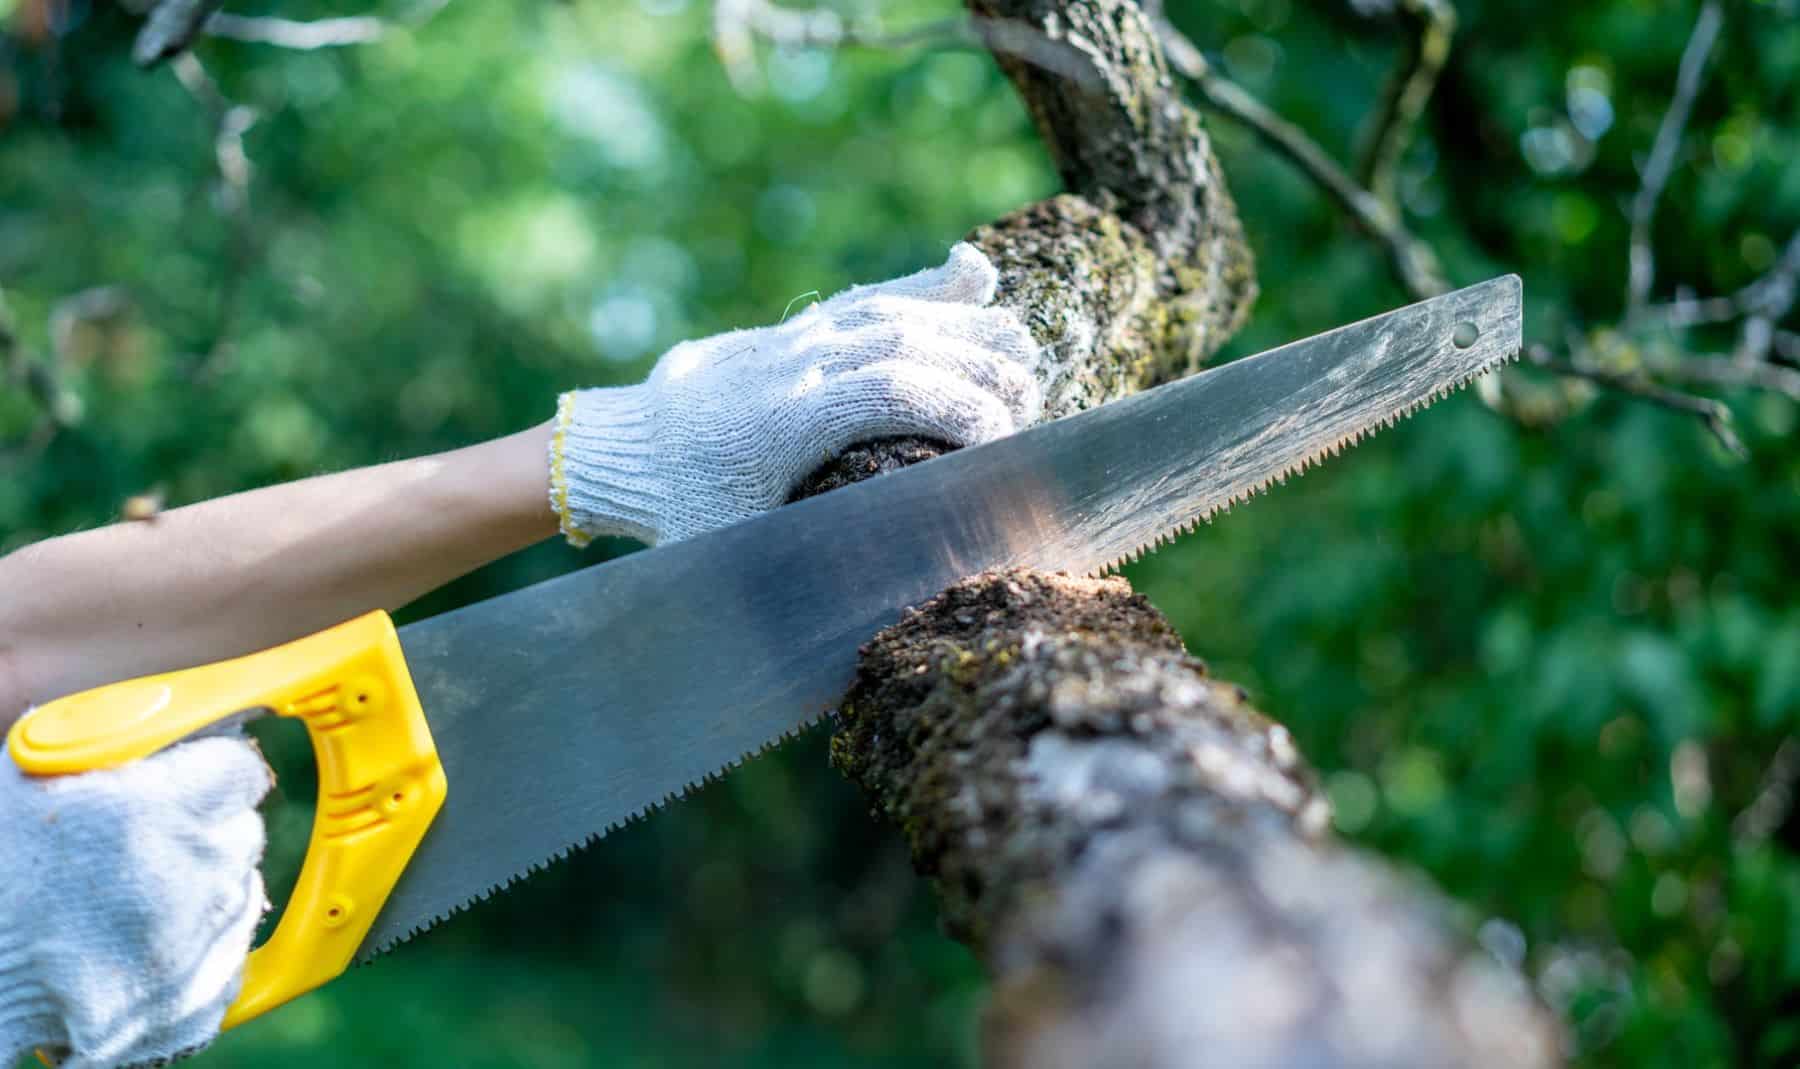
[{"x": 242, "y": 573}]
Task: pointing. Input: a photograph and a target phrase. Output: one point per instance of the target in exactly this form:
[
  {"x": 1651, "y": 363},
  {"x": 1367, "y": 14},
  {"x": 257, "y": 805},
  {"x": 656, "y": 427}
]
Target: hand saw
[{"x": 468, "y": 750}]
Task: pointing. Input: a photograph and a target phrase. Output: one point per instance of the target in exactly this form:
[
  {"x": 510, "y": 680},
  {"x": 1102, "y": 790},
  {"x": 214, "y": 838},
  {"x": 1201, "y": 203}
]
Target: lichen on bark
[
  {"x": 1139, "y": 271},
  {"x": 1142, "y": 859}
]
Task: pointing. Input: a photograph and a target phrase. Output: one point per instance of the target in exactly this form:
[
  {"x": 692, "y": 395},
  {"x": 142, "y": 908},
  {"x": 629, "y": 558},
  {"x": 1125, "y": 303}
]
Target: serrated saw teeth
[
  {"x": 568, "y": 850},
  {"x": 1300, "y": 467},
  {"x": 1100, "y": 486}
]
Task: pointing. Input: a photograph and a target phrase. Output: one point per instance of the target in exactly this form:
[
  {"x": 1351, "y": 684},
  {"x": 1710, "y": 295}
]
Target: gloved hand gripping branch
[{"x": 726, "y": 426}]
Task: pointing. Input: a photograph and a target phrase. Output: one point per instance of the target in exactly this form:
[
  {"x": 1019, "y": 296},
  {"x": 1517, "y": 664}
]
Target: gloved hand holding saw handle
[{"x": 128, "y": 898}]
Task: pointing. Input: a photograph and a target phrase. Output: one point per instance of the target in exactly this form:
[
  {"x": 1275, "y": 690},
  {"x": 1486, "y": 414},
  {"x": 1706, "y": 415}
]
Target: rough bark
[
  {"x": 1141, "y": 860},
  {"x": 1139, "y": 271}
]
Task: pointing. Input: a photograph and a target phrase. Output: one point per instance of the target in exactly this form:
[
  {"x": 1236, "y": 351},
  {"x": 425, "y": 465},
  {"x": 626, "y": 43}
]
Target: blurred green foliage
[{"x": 1548, "y": 666}]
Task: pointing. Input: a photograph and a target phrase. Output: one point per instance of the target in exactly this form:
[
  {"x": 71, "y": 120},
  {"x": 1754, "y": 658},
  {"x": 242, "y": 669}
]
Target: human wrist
[
  {"x": 514, "y": 479},
  {"x": 602, "y": 459}
]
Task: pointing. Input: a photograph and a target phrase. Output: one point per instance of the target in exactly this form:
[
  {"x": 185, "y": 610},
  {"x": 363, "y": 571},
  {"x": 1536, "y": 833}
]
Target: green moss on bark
[{"x": 1142, "y": 860}]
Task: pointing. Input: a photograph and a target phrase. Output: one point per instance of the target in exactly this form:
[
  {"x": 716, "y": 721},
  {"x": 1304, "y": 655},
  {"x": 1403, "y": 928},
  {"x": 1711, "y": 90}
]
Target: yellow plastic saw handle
[{"x": 380, "y": 782}]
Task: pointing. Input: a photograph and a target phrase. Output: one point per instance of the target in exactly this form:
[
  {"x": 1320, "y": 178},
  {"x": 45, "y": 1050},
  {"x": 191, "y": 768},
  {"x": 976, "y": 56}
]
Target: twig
[
  {"x": 87, "y": 306},
  {"x": 1433, "y": 24},
  {"x": 1713, "y": 413},
  {"x": 1772, "y": 296},
  {"x": 231, "y": 122},
  {"x": 1766, "y": 301},
  {"x": 1657, "y": 169},
  {"x": 170, "y": 28},
  {"x": 739, "y": 24},
  {"x": 291, "y": 33},
  {"x": 1724, "y": 371},
  {"x": 1786, "y": 344},
  {"x": 1774, "y": 796},
  {"x": 39, "y": 379},
  {"x": 1414, "y": 263},
  {"x": 1688, "y": 311},
  {"x": 1761, "y": 304}
]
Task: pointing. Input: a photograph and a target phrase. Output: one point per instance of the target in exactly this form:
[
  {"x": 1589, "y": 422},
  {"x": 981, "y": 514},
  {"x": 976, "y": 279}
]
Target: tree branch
[
  {"x": 231, "y": 121},
  {"x": 1760, "y": 305},
  {"x": 1143, "y": 860},
  {"x": 1766, "y": 301},
  {"x": 1413, "y": 262},
  {"x": 170, "y": 28},
  {"x": 1725, "y": 372},
  {"x": 1774, "y": 795},
  {"x": 290, "y": 33},
  {"x": 1714, "y": 414},
  {"x": 739, "y": 24},
  {"x": 1431, "y": 25},
  {"x": 1641, "y": 271},
  {"x": 1140, "y": 860},
  {"x": 39, "y": 379},
  {"x": 97, "y": 304}
]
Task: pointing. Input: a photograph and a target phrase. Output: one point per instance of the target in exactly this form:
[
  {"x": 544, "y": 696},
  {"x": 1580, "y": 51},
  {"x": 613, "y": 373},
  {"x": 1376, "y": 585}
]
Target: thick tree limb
[
  {"x": 1140, "y": 859},
  {"x": 1140, "y": 271}
]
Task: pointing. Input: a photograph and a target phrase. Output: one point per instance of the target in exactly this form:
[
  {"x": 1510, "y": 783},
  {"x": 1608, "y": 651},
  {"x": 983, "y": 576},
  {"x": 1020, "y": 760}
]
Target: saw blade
[{"x": 566, "y": 709}]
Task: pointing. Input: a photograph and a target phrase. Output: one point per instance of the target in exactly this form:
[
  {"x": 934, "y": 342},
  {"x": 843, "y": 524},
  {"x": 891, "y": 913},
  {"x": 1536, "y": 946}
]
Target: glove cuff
[
  {"x": 29, "y": 1018},
  {"x": 602, "y": 454}
]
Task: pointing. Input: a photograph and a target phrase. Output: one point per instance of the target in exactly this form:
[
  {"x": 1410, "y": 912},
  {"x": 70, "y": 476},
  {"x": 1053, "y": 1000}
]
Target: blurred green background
[{"x": 1551, "y": 667}]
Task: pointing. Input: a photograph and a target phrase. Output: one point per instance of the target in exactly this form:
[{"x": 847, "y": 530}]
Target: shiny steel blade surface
[{"x": 565, "y": 709}]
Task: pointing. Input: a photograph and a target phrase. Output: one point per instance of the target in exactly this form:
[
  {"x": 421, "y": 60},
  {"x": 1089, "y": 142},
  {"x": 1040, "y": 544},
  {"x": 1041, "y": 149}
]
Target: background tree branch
[
  {"x": 1370, "y": 201},
  {"x": 41, "y": 380}
]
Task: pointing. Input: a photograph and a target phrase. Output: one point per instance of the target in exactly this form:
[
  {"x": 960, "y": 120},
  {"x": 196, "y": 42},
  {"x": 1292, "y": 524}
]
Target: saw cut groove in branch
[{"x": 1142, "y": 859}]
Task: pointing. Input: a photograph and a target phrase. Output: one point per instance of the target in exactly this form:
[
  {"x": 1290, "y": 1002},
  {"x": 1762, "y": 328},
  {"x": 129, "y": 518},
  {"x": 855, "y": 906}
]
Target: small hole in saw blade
[{"x": 1466, "y": 333}]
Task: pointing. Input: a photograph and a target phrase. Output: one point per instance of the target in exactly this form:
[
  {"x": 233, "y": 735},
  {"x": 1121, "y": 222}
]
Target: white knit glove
[
  {"x": 725, "y": 427},
  {"x": 128, "y": 899}
]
